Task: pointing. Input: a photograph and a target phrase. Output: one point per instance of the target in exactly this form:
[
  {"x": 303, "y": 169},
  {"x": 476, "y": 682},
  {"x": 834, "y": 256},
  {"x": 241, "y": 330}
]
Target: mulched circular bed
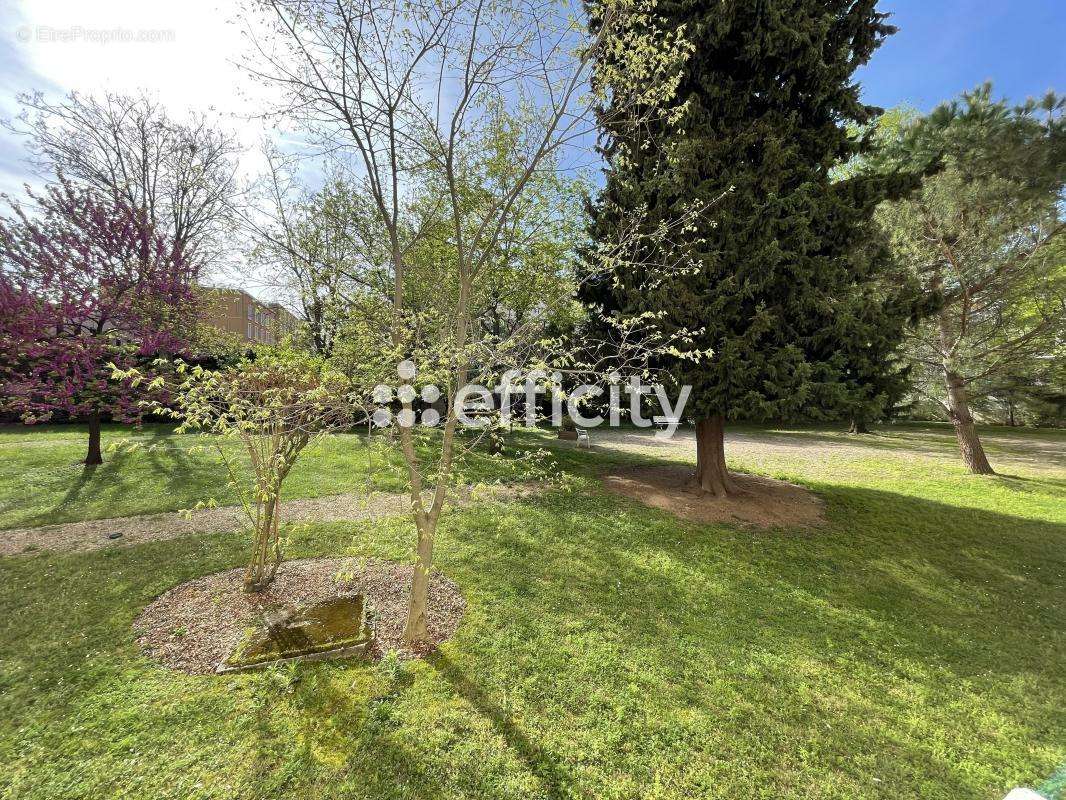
[{"x": 193, "y": 626}]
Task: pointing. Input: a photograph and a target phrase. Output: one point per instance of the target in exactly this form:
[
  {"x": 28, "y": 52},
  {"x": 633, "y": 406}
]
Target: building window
[
  {"x": 250, "y": 312},
  {"x": 249, "y": 330}
]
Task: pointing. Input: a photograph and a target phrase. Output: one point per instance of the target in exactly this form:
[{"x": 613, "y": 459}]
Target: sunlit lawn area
[
  {"x": 43, "y": 481},
  {"x": 914, "y": 647}
]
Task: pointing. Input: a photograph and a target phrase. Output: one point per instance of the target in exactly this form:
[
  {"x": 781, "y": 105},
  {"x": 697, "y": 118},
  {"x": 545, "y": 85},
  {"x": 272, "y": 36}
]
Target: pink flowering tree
[{"x": 86, "y": 282}]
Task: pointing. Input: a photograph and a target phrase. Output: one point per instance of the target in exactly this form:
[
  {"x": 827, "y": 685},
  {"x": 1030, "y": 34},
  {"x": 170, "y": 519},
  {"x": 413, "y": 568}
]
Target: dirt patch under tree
[
  {"x": 763, "y": 503},
  {"x": 193, "y": 626}
]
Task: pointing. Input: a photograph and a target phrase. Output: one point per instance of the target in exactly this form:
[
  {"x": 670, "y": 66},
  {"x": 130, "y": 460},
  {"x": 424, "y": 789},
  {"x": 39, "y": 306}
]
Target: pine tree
[
  {"x": 877, "y": 378},
  {"x": 766, "y": 108},
  {"x": 986, "y": 237}
]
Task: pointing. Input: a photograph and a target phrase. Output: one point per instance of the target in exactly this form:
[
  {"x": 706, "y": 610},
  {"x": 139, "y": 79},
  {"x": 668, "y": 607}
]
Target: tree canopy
[
  {"x": 86, "y": 281},
  {"x": 765, "y": 109}
]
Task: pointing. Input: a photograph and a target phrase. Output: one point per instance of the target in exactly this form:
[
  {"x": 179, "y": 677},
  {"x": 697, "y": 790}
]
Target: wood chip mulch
[{"x": 193, "y": 626}]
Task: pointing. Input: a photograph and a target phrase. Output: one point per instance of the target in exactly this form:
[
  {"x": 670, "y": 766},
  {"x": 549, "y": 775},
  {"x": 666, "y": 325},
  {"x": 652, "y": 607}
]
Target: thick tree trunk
[
  {"x": 712, "y": 476},
  {"x": 94, "y": 456},
  {"x": 417, "y": 630},
  {"x": 965, "y": 430},
  {"x": 858, "y": 425}
]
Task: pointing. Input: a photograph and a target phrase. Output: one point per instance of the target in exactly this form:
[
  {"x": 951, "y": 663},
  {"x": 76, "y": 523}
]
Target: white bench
[
  {"x": 583, "y": 439},
  {"x": 662, "y": 423}
]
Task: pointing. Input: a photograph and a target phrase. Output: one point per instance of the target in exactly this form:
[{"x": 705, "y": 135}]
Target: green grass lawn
[
  {"x": 43, "y": 479},
  {"x": 913, "y": 648}
]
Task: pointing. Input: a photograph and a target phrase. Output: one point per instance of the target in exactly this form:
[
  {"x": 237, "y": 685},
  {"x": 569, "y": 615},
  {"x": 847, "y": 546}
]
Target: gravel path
[
  {"x": 1007, "y": 452},
  {"x": 96, "y": 534}
]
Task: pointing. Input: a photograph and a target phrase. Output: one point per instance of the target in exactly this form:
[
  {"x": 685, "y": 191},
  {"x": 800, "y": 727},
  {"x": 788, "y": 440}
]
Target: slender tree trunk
[
  {"x": 712, "y": 476},
  {"x": 965, "y": 430},
  {"x": 417, "y": 629},
  {"x": 266, "y": 553},
  {"x": 1010, "y": 414},
  {"x": 858, "y": 425},
  {"x": 94, "y": 455}
]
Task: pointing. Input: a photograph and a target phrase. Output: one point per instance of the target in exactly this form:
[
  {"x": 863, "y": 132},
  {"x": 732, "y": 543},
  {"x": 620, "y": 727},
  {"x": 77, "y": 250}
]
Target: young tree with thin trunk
[
  {"x": 320, "y": 249},
  {"x": 415, "y": 94},
  {"x": 274, "y": 406},
  {"x": 985, "y": 239},
  {"x": 86, "y": 281},
  {"x": 765, "y": 110}
]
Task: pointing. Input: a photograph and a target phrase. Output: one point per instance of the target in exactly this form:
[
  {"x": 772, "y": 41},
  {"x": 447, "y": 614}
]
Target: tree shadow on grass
[
  {"x": 85, "y": 476},
  {"x": 94, "y": 477},
  {"x": 1025, "y": 483},
  {"x": 124, "y": 472},
  {"x": 328, "y": 734},
  {"x": 912, "y": 641},
  {"x": 367, "y": 735},
  {"x": 549, "y": 772},
  {"x": 175, "y": 465},
  {"x": 895, "y": 557},
  {"x": 897, "y": 595}
]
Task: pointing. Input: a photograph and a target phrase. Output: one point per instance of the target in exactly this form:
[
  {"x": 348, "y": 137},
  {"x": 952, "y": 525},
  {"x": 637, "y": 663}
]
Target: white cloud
[{"x": 182, "y": 52}]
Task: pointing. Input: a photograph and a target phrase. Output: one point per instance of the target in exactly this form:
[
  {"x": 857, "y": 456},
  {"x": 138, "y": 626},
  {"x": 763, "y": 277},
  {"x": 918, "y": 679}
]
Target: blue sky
[{"x": 943, "y": 48}]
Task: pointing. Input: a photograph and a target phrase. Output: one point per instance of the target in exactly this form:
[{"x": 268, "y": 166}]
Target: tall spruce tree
[{"x": 766, "y": 108}]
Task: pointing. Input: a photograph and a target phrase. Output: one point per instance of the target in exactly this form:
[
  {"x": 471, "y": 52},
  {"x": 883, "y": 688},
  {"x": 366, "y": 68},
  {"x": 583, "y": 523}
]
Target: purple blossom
[{"x": 85, "y": 282}]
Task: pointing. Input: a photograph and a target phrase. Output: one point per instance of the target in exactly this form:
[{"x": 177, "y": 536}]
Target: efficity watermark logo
[
  {"x": 518, "y": 395},
  {"x": 77, "y": 34}
]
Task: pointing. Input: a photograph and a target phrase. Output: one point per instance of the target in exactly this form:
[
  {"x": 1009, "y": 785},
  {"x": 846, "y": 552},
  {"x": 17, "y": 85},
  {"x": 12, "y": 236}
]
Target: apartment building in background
[{"x": 236, "y": 311}]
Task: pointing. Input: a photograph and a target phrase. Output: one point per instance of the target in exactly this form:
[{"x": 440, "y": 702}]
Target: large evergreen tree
[{"x": 766, "y": 108}]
